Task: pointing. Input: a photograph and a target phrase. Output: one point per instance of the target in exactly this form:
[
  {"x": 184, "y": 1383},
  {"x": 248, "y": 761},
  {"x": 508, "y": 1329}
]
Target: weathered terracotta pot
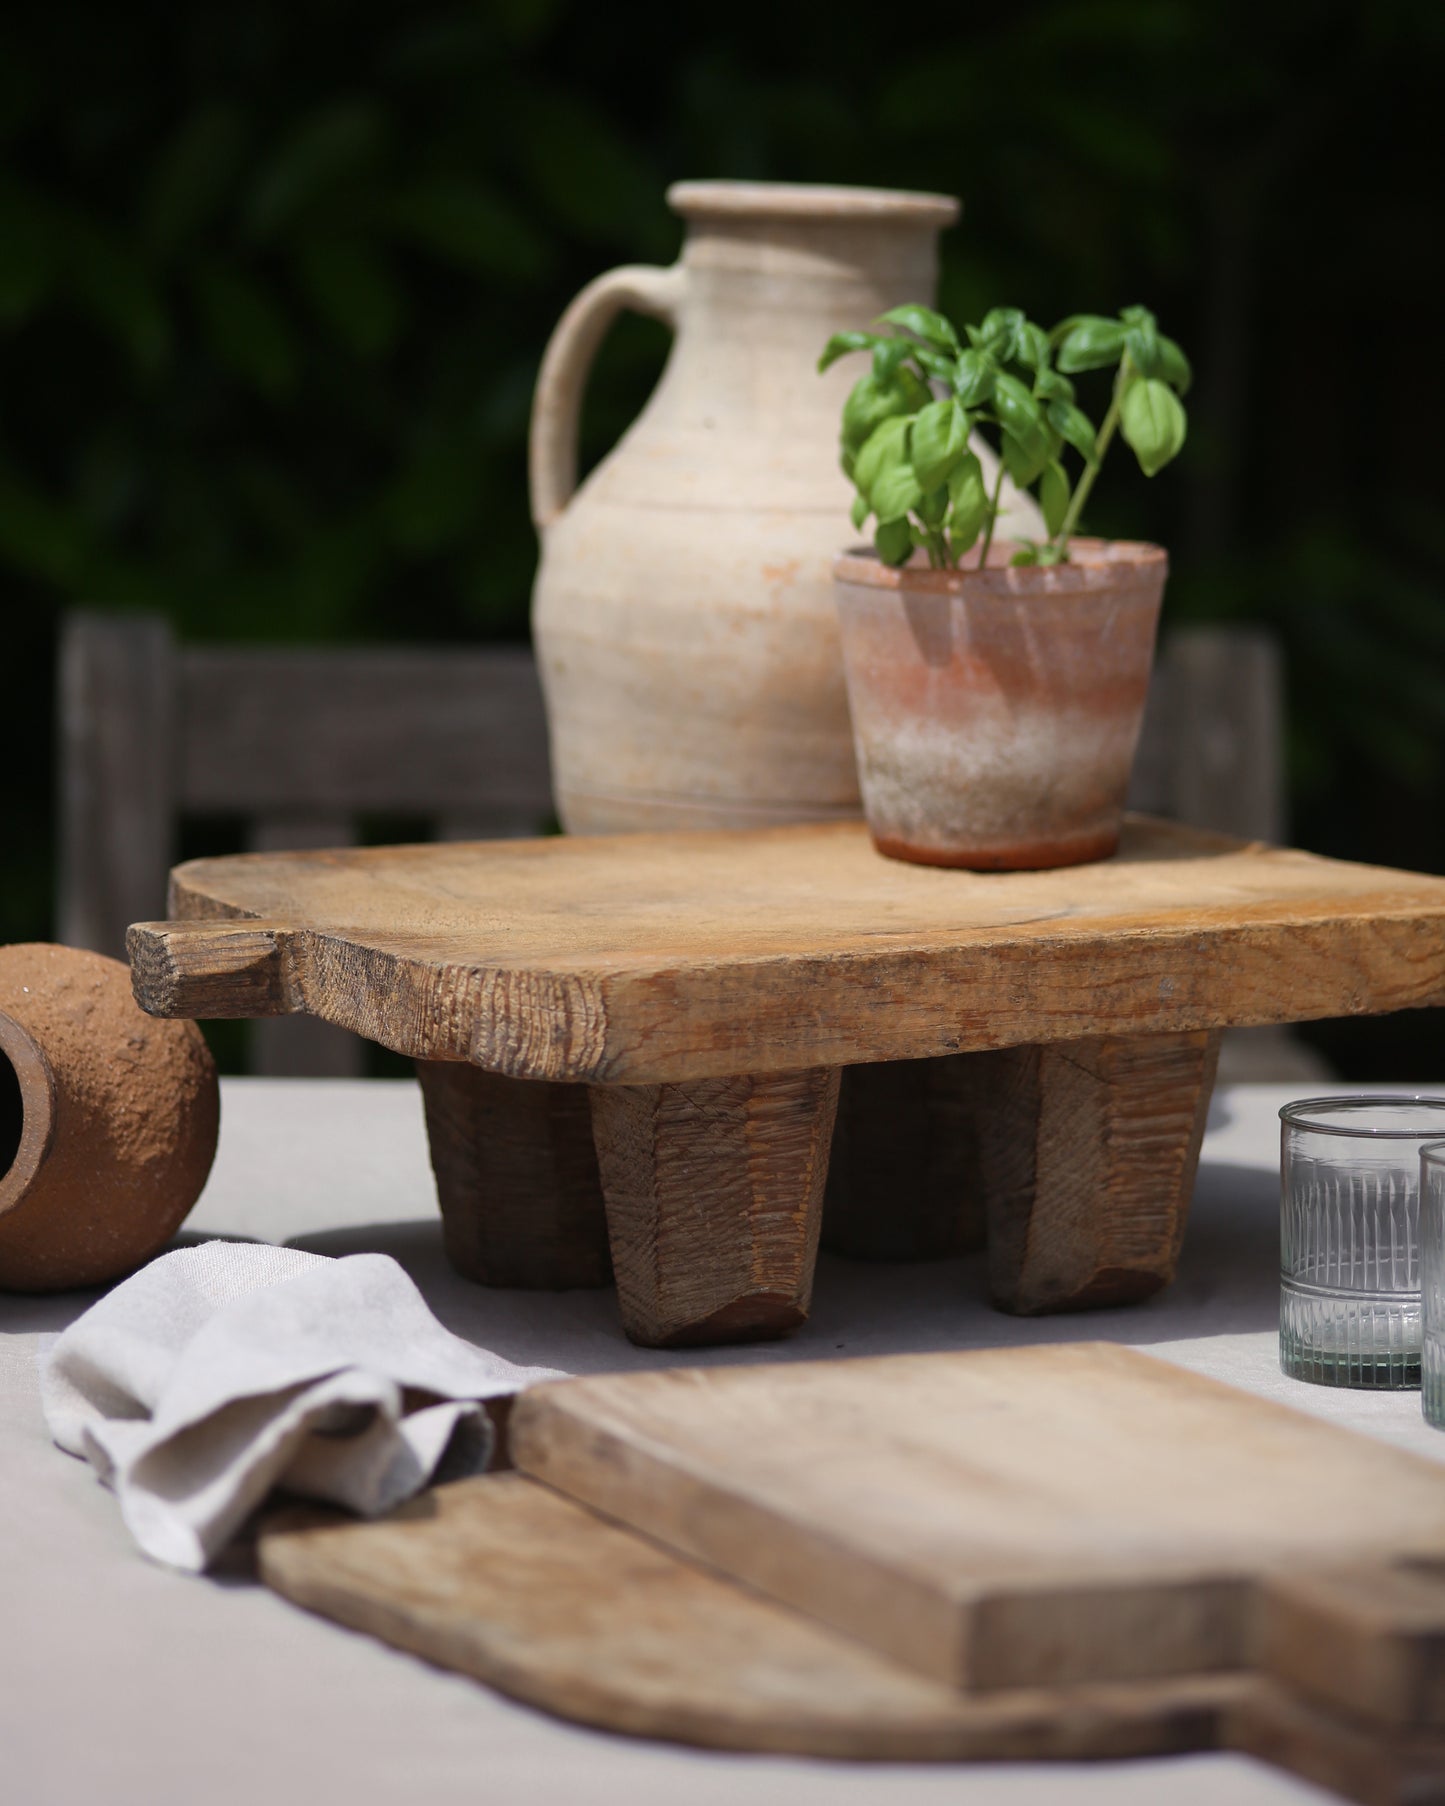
[
  {"x": 108, "y": 1120},
  {"x": 683, "y": 612},
  {"x": 996, "y": 712}
]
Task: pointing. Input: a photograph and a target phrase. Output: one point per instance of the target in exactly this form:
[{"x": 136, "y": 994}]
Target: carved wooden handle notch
[{"x": 213, "y": 969}]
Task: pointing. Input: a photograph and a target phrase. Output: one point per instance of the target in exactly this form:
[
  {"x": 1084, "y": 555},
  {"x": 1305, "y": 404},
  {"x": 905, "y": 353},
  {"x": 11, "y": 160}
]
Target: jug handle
[{"x": 557, "y": 403}]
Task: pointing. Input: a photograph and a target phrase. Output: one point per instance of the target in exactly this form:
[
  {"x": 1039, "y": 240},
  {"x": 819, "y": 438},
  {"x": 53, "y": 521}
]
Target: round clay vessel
[
  {"x": 996, "y": 712},
  {"x": 108, "y": 1120},
  {"x": 683, "y": 611}
]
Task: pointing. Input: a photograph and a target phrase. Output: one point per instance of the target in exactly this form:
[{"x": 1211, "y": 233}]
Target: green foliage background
[{"x": 275, "y": 278}]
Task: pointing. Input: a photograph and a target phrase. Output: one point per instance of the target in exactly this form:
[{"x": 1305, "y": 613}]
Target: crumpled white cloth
[{"x": 218, "y": 1372}]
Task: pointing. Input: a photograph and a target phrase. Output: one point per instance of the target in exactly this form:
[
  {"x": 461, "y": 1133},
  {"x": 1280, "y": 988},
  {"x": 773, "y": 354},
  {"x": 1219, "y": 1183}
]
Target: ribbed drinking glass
[
  {"x": 1432, "y": 1281},
  {"x": 1350, "y": 1238}
]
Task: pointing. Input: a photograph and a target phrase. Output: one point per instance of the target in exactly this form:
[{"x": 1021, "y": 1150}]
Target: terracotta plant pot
[
  {"x": 108, "y": 1121},
  {"x": 996, "y": 712}
]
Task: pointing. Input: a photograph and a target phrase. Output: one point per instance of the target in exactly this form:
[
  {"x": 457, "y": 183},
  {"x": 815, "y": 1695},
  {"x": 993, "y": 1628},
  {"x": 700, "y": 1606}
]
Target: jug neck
[{"x": 796, "y": 263}]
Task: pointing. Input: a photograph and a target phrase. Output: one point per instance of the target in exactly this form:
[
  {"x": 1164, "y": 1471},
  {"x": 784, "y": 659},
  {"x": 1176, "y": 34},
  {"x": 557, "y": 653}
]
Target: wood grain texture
[
  {"x": 1039, "y": 1516},
  {"x": 1373, "y": 1763},
  {"x": 1088, "y": 1152},
  {"x": 516, "y": 1178},
  {"x": 714, "y": 1193},
  {"x": 506, "y": 1581},
  {"x": 656, "y": 958},
  {"x": 209, "y": 970},
  {"x": 904, "y": 1177},
  {"x": 510, "y": 1583},
  {"x": 1366, "y": 1640}
]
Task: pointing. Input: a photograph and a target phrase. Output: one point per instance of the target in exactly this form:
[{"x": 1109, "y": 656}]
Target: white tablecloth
[{"x": 126, "y": 1684}]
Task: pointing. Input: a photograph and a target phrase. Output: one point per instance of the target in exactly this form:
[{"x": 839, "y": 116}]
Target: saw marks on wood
[
  {"x": 714, "y": 1201},
  {"x": 1088, "y": 1151}
]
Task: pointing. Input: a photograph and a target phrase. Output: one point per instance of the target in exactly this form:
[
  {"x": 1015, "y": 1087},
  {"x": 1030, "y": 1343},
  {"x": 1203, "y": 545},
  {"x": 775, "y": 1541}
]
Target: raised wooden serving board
[
  {"x": 708, "y": 990},
  {"x": 641, "y": 959},
  {"x": 1122, "y": 1544}
]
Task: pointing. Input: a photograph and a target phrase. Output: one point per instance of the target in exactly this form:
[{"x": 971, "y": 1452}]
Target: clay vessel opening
[{"x": 12, "y": 1113}]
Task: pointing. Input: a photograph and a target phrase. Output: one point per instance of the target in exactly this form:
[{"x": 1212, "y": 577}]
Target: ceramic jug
[{"x": 683, "y": 614}]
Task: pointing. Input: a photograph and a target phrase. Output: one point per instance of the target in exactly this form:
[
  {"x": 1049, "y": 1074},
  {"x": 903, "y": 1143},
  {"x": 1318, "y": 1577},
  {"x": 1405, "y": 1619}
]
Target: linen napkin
[{"x": 218, "y": 1372}]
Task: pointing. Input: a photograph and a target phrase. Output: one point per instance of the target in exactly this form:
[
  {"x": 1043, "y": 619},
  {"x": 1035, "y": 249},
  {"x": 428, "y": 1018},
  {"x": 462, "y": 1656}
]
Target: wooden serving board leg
[
  {"x": 714, "y": 1194},
  {"x": 516, "y": 1178},
  {"x": 903, "y": 1182},
  {"x": 1089, "y": 1150}
]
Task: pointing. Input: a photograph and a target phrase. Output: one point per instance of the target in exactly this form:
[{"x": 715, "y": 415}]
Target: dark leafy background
[{"x": 275, "y": 278}]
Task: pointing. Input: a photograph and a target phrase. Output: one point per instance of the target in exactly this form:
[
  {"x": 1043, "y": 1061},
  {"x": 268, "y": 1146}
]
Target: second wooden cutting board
[{"x": 1001, "y": 1518}]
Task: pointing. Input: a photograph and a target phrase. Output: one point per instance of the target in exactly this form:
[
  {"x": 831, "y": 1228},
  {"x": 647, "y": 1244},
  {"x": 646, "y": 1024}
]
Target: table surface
[
  {"x": 123, "y": 1682},
  {"x": 654, "y": 958}
]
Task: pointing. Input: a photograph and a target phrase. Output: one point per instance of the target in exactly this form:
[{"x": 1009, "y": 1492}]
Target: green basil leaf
[
  {"x": 841, "y": 344},
  {"x": 1152, "y": 420},
  {"x": 887, "y": 444},
  {"x": 888, "y": 354},
  {"x": 1022, "y": 420},
  {"x": 929, "y": 325},
  {"x": 1033, "y": 346},
  {"x": 973, "y": 378},
  {"x": 848, "y": 460},
  {"x": 933, "y": 506},
  {"x": 895, "y": 490},
  {"x": 894, "y": 542},
  {"x": 1027, "y": 553},
  {"x": 1091, "y": 343},
  {"x": 968, "y": 499},
  {"x": 1050, "y": 386},
  {"x": 940, "y": 438},
  {"x": 1075, "y": 428},
  {"x": 1052, "y": 554},
  {"x": 874, "y": 400},
  {"x": 860, "y": 511},
  {"x": 1023, "y": 464},
  {"x": 1142, "y": 344},
  {"x": 935, "y": 363},
  {"x": 884, "y": 473},
  {"x": 1054, "y": 495},
  {"x": 1137, "y": 316},
  {"x": 1174, "y": 366},
  {"x": 999, "y": 331}
]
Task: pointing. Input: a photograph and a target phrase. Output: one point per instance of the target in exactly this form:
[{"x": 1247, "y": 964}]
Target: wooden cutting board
[
  {"x": 1067, "y": 1552},
  {"x": 997, "y": 1519},
  {"x": 506, "y": 1581}
]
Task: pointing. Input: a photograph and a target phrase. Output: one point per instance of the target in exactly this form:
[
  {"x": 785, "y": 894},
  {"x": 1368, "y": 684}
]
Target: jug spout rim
[{"x": 721, "y": 199}]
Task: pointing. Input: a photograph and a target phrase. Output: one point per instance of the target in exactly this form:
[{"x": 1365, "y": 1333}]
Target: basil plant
[{"x": 906, "y": 424}]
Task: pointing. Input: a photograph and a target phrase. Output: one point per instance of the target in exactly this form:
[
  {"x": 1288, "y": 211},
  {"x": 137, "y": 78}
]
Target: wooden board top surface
[
  {"x": 505, "y": 1580},
  {"x": 508, "y": 1582},
  {"x": 640, "y": 958},
  {"x": 1056, "y": 1512}
]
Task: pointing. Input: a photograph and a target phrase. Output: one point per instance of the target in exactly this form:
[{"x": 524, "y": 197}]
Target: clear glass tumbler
[
  {"x": 1350, "y": 1238},
  {"x": 1432, "y": 1281}
]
